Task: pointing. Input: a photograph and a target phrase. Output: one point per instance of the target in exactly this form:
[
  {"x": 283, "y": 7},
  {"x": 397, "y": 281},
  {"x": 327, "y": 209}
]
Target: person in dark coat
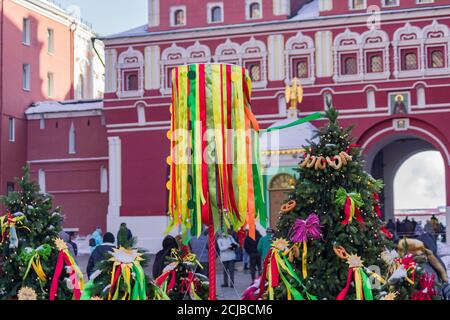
[
  {"x": 124, "y": 236},
  {"x": 161, "y": 262},
  {"x": 251, "y": 246},
  {"x": 99, "y": 253}
]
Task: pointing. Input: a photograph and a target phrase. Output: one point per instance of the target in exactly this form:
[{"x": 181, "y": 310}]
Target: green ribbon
[
  {"x": 87, "y": 292},
  {"x": 296, "y": 278},
  {"x": 367, "y": 286},
  {"x": 43, "y": 252},
  {"x": 257, "y": 182},
  {"x": 309, "y": 118},
  {"x": 139, "y": 291},
  {"x": 212, "y": 175},
  {"x": 342, "y": 194}
]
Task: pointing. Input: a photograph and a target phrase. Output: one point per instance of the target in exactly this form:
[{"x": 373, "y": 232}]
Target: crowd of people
[{"x": 412, "y": 228}]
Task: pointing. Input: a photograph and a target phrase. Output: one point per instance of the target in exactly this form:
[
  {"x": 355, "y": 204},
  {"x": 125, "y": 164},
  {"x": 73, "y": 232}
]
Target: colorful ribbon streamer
[
  {"x": 356, "y": 273},
  {"x": 303, "y": 230},
  {"x": 214, "y": 160},
  {"x": 351, "y": 202},
  {"x": 75, "y": 274},
  {"x": 133, "y": 277},
  {"x": 12, "y": 223},
  {"x": 33, "y": 260},
  {"x": 408, "y": 263},
  {"x": 276, "y": 267},
  {"x": 376, "y": 204}
]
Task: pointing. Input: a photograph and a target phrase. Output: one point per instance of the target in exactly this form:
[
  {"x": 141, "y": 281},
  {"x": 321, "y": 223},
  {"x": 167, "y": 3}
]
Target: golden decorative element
[
  {"x": 354, "y": 261},
  {"x": 27, "y": 293},
  {"x": 390, "y": 296},
  {"x": 281, "y": 244},
  {"x": 96, "y": 298},
  {"x": 294, "y": 94},
  {"x": 60, "y": 244},
  {"x": 125, "y": 256}
]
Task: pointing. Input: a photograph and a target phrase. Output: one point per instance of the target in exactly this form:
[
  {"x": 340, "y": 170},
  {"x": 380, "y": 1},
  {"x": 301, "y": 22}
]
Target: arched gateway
[{"x": 389, "y": 143}]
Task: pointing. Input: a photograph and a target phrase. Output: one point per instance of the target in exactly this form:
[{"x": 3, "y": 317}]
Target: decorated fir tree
[
  {"x": 180, "y": 279},
  {"x": 28, "y": 254},
  {"x": 333, "y": 216}
]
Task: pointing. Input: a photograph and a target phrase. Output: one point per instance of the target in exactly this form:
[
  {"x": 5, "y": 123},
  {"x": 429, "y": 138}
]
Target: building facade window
[
  {"x": 131, "y": 74},
  {"x": 390, "y": 3},
  {"x": 215, "y": 12},
  {"x": 26, "y": 31},
  {"x": 408, "y": 46},
  {"x": 171, "y": 57},
  {"x": 254, "y": 58},
  {"x": 348, "y": 57},
  {"x": 178, "y": 16},
  {"x": 103, "y": 179},
  {"x": 299, "y": 58},
  {"x": 375, "y": 63},
  {"x": 50, "y": 41},
  {"x": 9, "y": 188},
  {"x": 72, "y": 149},
  {"x": 228, "y": 52},
  {"x": 349, "y": 64},
  {"x": 327, "y": 100},
  {"x": 26, "y": 77},
  {"x": 375, "y": 47},
  {"x": 11, "y": 129},
  {"x": 253, "y": 9},
  {"x": 437, "y": 59},
  {"x": 409, "y": 60},
  {"x": 50, "y": 84},
  {"x": 357, "y": 4}
]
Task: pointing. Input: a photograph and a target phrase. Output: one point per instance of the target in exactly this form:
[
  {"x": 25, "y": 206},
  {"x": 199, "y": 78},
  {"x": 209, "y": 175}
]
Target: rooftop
[{"x": 64, "y": 106}]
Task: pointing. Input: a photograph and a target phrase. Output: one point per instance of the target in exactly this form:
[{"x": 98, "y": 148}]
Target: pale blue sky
[
  {"x": 417, "y": 186},
  {"x": 110, "y": 16}
]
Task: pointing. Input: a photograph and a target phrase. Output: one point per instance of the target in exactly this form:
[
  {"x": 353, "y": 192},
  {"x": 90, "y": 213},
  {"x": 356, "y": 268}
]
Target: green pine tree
[
  {"x": 39, "y": 227},
  {"x": 315, "y": 192}
]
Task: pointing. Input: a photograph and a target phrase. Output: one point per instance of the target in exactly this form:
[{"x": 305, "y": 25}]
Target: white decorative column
[{"x": 115, "y": 183}]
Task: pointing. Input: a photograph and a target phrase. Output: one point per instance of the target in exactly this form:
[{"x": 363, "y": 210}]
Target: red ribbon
[
  {"x": 202, "y": 99},
  {"x": 347, "y": 211},
  {"x": 262, "y": 285},
  {"x": 343, "y": 294},
  {"x": 63, "y": 258},
  {"x": 428, "y": 291},
  {"x": 376, "y": 204},
  {"x": 353, "y": 145},
  {"x": 388, "y": 234}
]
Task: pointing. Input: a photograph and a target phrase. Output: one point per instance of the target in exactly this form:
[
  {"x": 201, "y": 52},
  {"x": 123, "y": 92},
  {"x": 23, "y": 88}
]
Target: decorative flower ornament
[{"x": 27, "y": 293}]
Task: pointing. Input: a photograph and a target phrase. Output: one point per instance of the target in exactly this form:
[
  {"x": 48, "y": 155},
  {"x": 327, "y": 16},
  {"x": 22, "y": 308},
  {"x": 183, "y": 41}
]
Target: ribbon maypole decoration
[
  {"x": 304, "y": 230},
  {"x": 351, "y": 202},
  {"x": 127, "y": 269},
  {"x": 75, "y": 274},
  {"x": 12, "y": 223},
  {"x": 356, "y": 271},
  {"x": 214, "y": 162},
  {"x": 276, "y": 267}
]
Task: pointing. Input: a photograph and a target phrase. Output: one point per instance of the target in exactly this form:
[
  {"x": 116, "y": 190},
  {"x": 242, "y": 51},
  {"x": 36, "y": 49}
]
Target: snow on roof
[
  {"x": 138, "y": 31},
  {"x": 308, "y": 11},
  {"x": 64, "y": 106}
]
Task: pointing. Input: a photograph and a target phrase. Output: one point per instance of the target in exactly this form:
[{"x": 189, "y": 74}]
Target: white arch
[
  {"x": 375, "y": 33},
  {"x": 436, "y": 27},
  {"x": 246, "y": 48},
  {"x": 300, "y": 45},
  {"x": 228, "y": 51},
  {"x": 174, "y": 50},
  {"x": 406, "y": 30},
  {"x": 299, "y": 38},
  {"x": 130, "y": 59},
  {"x": 203, "y": 52},
  {"x": 347, "y": 35},
  {"x": 348, "y": 40},
  {"x": 126, "y": 58}
]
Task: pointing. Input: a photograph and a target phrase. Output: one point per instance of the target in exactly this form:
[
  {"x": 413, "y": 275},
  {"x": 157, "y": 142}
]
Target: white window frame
[
  {"x": 11, "y": 129},
  {"x": 209, "y": 13},
  {"x": 26, "y": 31},
  {"x": 124, "y": 65},
  {"x": 248, "y": 3},
  {"x": 50, "y": 40},
  {"x": 400, "y": 44},
  {"x": 350, "y": 6},
  {"x": 228, "y": 52},
  {"x": 370, "y": 46},
  {"x": 341, "y": 48},
  {"x": 26, "y": 77},
  {"x": 307, "y": 51},
  {"x": 172, "y": 16},
  {"x": 103, "y": 179},
  {"x": 248, "y": 54},
  {"x": 430, "y": 42},
  {"x": 41, "y": 181},
  {"x": 72, "y": 139},
  {"x": 167, "y": 61},
  {"x": 50, "y": 84},
  {"x": 384, "y": 5}
]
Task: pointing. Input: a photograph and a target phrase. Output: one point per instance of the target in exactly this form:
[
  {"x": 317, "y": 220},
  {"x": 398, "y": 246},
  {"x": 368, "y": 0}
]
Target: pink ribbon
[{"x": 309, "y": 228}]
